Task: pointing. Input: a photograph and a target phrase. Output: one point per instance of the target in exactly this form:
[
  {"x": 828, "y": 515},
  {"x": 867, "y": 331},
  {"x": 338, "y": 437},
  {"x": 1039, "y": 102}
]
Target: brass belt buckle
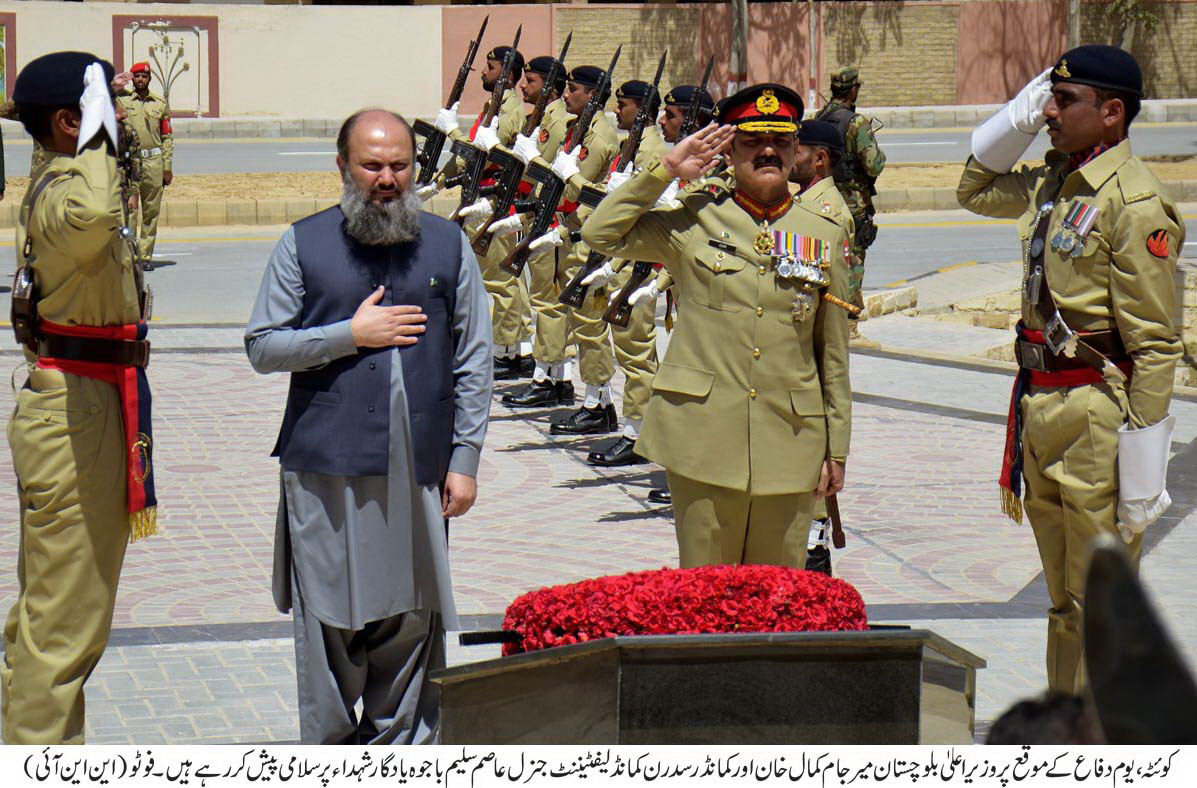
[
  {"x": 1030, "y": 356},
  {"x": 1057, "y": 334}
]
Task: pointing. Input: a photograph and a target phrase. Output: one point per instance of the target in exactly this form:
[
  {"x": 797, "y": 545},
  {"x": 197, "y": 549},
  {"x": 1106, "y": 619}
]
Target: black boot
[
  {"x": 541, "y": 394},
  {"x": 618, "y": 452},
  {"x": 587, "y": 421},
  {"x": 659, "y": 496},
  {"x": 514, "y": 368}
]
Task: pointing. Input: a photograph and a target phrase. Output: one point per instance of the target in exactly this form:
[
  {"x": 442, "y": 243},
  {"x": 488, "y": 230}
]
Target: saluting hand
[
  {"x": 697, "y": 154},
  {"x": 386, "y": 326}
]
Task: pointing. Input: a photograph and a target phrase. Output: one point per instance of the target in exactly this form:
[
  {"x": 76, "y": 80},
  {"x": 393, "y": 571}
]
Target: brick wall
[
  {"x": 1167, "y": 54},
  {"x": 906, "y": 51},
  {"x": 644, "y": 32}
]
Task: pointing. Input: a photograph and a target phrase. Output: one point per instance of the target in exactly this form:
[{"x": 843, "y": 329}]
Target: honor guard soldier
[
  {"x": 80, "y": 434},
  {"x": 1097, "y": 346},
  {"x": 509, "y": 298},
  {"x": 750, "y": 410},
  {"x": 820, "y": 147},
  {"x": 514, "y": 360},
  {"x": 858, "y": 169},
  {"x": 587, "y": 164},
  {"x": 149, "y": 117},
  {"x": 636, "y": 345}
]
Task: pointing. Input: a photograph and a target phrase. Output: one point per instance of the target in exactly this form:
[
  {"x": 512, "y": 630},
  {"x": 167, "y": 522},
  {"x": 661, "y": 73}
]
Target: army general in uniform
[
  {"x": 79, "y": 435},
  {"x": 149, "y": 117},
  {"x": 1097, "y": 345},
  {"x": 750, "y": 409}
]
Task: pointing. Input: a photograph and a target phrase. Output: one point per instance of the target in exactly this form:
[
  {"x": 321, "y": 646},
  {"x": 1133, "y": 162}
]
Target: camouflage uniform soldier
[{"x": 858, "y": 169}]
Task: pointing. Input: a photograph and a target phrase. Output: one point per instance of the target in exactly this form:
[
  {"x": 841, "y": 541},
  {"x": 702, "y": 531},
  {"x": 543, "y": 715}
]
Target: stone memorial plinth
[{"x": 885, "y": 686}]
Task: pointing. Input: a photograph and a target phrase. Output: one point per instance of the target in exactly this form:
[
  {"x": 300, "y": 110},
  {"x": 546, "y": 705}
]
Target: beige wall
[
  {"x": 1001, "y": 45},
  {"x": 293, "y": 61}
]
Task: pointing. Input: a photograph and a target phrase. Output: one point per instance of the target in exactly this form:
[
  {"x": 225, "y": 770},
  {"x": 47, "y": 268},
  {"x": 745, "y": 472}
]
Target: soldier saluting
[
  {"x": 750, "y": 410},
  {"x": 149, "y": 117},
  {"x": 1089, "y": 428}
]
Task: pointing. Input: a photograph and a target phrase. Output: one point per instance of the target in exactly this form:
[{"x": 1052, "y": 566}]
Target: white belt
[{"x": 146, "y": 153}]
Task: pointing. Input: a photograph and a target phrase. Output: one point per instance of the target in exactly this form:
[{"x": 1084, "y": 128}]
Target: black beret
[
  {"x": 636, "y": 89},
  {"x": 542, "y": 64},
  {"x": 822, "y": 133},
  {"x": 500, "y": 52},
  {"x": 587, "y": 76},
  {"x": 56, "y": 79},
  {"x": 1100, "y": 66},
  {"x": 767, "y": 107},
  {"x": 682, "y": 95}
]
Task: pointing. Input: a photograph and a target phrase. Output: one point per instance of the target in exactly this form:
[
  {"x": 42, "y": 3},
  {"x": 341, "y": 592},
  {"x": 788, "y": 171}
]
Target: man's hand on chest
[{"x": 386, "y": 326}]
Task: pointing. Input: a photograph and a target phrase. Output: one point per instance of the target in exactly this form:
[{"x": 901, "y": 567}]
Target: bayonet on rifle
[
  {"x": 552, "y": 187},
  {"x": 434, "y": 138},
  {"x": 511, "y": 167}
]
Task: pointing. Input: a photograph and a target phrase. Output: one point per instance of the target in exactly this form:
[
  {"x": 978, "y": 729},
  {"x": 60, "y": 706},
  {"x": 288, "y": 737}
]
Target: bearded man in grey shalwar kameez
[{"x": 379, "y": 312}]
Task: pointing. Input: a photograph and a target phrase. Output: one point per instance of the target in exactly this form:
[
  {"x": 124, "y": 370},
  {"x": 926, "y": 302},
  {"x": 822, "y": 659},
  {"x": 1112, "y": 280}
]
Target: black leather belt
[
  {"x": 1039, "y": 358},
  {"x": 125, "y": 352}
]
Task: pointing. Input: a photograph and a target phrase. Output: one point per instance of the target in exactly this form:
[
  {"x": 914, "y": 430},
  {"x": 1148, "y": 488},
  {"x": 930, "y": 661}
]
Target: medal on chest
[
  {"x": 1078, "y": 221},
  {"x": 804, "y": 262}
]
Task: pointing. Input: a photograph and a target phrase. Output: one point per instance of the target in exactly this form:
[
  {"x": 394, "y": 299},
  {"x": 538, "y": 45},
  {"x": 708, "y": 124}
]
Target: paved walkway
[{"x": 199, "y": 653}]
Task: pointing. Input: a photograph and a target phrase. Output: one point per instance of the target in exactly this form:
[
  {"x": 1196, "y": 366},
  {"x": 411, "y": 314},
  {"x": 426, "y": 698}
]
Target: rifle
[
  {"x": 574, "y": 293},
  {"x": 551, "y": 187},
  {"x": 690, "y": 122},
  {"x": 511, "y": 167},
  {"x": 434, "y": 138},
  {"x": 473, "y": 157},
  {"x": 128, "y": 169},
  {"x": 619, "y": 313}
]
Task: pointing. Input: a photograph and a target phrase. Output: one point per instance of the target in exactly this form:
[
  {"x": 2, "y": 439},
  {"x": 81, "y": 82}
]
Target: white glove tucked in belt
[
  {"x": 1142, "y": 471},
  {"x": 999, "y": 142}
]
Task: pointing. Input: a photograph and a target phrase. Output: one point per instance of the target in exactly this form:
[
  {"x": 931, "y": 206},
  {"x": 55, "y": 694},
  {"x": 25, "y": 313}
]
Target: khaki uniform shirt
[
  {"x": 823, "y": 197},
  {"x": 553, "y": 127},
  {"x": 746, "y": 397},
  {"x": 84, "y": 271},
  {"x": 1123, "y": 279},
  {"x": 149, "y": 117}
]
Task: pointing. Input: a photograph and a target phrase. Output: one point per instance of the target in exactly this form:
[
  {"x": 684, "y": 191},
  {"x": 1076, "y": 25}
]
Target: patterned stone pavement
[{"x": 199, "y": 653}]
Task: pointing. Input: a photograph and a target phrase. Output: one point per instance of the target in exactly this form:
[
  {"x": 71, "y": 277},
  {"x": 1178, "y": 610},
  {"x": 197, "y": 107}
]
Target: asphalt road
[
  {"x": 314, "y": 155},
  {"x": 218, "y": 270}
]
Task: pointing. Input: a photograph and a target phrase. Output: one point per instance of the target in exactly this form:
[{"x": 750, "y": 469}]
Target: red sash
[{"x": 134, "y": 391}]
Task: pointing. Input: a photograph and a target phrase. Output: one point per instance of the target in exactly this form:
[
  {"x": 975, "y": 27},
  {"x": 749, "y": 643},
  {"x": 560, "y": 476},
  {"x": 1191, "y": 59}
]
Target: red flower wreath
[{"x": 721, "y": 598}]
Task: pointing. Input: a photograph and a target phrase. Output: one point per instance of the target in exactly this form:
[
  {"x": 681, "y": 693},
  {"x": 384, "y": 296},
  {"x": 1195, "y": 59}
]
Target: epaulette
[{"x": 1137, "y": 182}]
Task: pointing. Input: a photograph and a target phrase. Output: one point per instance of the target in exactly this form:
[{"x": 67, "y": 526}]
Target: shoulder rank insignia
[
  {"x": 1137, "y": 196},
  {"x": 1157, "y": 243}
]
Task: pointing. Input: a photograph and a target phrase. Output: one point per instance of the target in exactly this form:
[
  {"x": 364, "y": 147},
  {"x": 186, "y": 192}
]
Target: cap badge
[
  {"x": 767, "y": 103},
  {"x": 1062, "y": 70}
]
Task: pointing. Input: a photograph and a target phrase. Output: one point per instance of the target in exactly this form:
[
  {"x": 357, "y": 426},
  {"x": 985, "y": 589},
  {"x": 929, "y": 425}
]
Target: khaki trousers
[
  {"x": 510, "y": 310},
  {"x": 149, "y": 201},
  {"x": 719, "y": 525},
  {"x": 68, "y": 452},
  {"x": 636, "y": 350},
  {"x": 596, "y": 362},
  {"x": 1070, "y": 451}
]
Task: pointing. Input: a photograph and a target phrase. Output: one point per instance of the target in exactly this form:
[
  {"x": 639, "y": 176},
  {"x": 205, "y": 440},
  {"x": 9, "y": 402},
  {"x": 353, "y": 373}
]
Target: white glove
[
  {"x": 600, "y": 276},
  {"x": 96, "y": 105},
  {"x": 509, "y": 225},
  {"x": 487, "y": 137},
  {"x": 1026, "y": 109},
  {"x": 525, "y": 147},
  {"x": 647, "y": 293},
  {"x": 670, "y": 193},
  {"x": 618, "y": 178},
  {"x": 1000, "y": 142},
  {"x": 446, "y": 119},
  {"x": 548, "y": 240},
  {"x": 480, "y": 208},
  {"x": 427, "y": 191},
  {"x": 565, "y": 166},
  {"x": 1142, "y": 472}
]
